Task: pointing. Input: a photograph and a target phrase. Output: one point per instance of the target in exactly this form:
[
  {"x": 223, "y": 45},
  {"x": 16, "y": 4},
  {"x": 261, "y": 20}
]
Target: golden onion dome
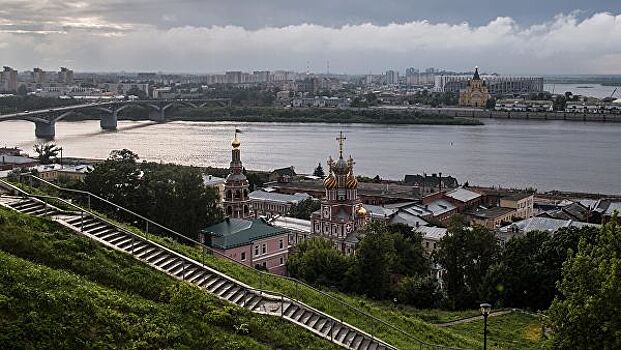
[
  {"x": 351, "y": 181},
  {"x": 235, "y": 142},
  {"x": 330, "y": 182},
  {"x": 361, "y": 212}
]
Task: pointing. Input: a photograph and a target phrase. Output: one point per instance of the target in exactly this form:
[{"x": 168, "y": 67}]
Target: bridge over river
[{"x": 45, "y": 119}]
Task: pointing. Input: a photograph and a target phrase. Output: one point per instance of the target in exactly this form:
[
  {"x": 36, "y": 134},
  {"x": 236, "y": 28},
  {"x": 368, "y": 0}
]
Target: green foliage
[
  {"x": 174, "y": 194},
  {"x": 587, "y": 312},
  {"x": 491, "y": 103},
  {"x": 506, "y": 332},
  {"x": 317, "y": 115},
  {"x": 319, "y": 171},
  {"x": 316, "y": 261},
  {"x": 11, "y": 104},
  {"x": 305, "y": 208},
  {"x": 530, "y": 267},
  {"x": 420, "y": 292},
  {"x": 466, "y": 254},
  {"x": 61, "y": 291},
  {"x": 434, "y": 99},
  {"x": 383, "y": 256},
  {"x": 47, "y": 152}
]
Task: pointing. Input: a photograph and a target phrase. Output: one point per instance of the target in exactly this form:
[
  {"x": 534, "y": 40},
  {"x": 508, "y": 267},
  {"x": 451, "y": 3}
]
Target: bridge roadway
[{"x": 45, "y": 119}]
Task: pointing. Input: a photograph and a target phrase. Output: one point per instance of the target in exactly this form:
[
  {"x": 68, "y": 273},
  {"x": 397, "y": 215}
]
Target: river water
[
  {"x": 570, "y": 156},
  {"x": 590, "y": 90}
]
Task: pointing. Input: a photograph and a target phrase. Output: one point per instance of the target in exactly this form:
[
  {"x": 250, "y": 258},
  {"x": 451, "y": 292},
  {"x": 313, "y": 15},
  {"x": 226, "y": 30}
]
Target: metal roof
[
  {"x": 432, "y": 233},
  {"x": 293, "y": 224},
  {"x": 234, "y": 232},
  {"x": 278, "y": 197},
  {"x": 463, "y": 195},
  {"x": 379, "y": 212},
  {"x": 612, "y": 207},
  {"x": 543, "y": 224}
]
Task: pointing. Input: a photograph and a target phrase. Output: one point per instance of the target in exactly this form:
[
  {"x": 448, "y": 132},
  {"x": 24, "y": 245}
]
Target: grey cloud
[{"x": 355, "y": 36}]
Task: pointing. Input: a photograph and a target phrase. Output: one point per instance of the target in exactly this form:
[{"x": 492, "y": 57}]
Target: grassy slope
[
  {"x": 510, "y": 331},
  {"x": 418, "y": 323},
  {"x": 57, "y": 290}
]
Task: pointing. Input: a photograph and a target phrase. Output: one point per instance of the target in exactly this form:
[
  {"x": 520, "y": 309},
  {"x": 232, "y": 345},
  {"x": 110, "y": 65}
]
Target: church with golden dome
[
  {"x": 341, "y": 212},
  {"x": 476, "y": 93}
]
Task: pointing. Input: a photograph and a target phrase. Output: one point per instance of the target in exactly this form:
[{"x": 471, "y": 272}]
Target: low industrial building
[
  {"x": 269, "y": 203},
  {"x": 491, "y": 217}
]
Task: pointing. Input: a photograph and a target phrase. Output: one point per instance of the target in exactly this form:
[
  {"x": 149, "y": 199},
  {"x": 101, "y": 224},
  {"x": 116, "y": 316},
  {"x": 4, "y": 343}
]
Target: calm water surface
[
  {"x": 547, "y": 155},
  {"x": 592, "y": 90}
]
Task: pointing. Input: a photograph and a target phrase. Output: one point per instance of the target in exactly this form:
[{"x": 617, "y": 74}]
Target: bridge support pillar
[
  {"x": 109, "y": 121},
  {"x": 45, "y": 130},
  {"x": 157, "y": 116}
]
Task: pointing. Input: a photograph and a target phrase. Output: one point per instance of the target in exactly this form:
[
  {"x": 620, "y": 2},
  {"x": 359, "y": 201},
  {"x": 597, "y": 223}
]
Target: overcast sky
[{"x": 361, "y": 36}]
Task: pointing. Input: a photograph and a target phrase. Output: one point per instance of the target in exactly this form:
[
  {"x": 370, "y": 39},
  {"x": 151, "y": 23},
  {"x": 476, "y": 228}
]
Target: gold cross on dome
[{"x": 341, "y": 139}]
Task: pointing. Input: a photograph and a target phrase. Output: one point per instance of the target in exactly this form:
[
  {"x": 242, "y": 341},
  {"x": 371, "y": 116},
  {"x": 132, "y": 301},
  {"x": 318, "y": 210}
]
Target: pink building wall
[{"x": 275, "y": 257}]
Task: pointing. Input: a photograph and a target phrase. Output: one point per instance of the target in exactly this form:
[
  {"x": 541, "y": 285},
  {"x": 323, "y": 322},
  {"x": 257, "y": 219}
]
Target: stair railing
[{"x": 262, "y": 275}]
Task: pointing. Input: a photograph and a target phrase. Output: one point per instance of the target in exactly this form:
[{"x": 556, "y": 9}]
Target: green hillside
[
  {"x": 60, "y": 291},
  {"x": 111, "y": 289}
]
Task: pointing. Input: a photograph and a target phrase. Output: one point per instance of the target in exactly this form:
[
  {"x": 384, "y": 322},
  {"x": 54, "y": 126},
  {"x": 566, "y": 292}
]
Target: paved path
[{"x": 474, "y": 318}]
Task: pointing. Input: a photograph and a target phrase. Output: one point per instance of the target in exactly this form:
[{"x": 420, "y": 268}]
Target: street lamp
[{"x": 485, "y": 310}]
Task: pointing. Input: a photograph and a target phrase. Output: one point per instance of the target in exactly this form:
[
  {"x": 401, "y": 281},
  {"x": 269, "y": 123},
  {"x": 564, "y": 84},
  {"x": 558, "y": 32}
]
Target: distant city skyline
[{"x": 554, "y": 37}]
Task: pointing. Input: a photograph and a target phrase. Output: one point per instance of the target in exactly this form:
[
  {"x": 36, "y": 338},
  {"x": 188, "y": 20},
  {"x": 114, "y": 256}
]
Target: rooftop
[
  {"x": 463, "y": 195},
  {"x": 233, "y": 232},
  {"x": 210, "y": 180},
  {"x": 431, "y": 233},
  {"x": 490, "y": 213},
  {"x": 612, "y": 207},
  {"x": 543, "y": 224},
  {"x": 13, "y": 159},
  {"x": 379, "y": 212},
  {"x": 293, "y": 224},
  {"x": 516, "y": 196},
  {"x": 278, "y": 197},
  {"x": 390, "y": 190}
]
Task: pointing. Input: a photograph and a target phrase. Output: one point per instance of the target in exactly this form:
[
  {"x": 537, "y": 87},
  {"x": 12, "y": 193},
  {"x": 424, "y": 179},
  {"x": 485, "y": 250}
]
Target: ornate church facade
[
  {"x": 236, "y": 202},
  {"x": 341, "y": 213},
  {"x": 476, "y": 94}
]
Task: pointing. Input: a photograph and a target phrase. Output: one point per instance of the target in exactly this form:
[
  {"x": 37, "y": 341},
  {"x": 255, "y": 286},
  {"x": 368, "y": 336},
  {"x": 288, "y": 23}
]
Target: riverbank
[{"x": 301, "y": 115}]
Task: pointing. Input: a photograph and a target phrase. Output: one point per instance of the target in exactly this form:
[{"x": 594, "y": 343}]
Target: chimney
[{"x": 440, "y": 182}]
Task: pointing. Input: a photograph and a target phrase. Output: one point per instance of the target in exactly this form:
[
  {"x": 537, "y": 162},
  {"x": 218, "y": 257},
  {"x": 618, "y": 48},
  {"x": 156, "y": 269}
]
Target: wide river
[{"x": 571, "y": 156}]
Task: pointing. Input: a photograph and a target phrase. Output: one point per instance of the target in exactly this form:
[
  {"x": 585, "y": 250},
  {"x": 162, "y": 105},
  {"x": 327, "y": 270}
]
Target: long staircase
[{"x": 184, "y": 268}]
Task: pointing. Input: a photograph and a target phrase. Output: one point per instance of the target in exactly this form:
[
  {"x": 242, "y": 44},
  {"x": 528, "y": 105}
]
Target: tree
[
  {"x": 386, "y": 254},
  {"x": 47, "y": 153},
  {"x": 173, "y": 195},
  {"x": 318, "y": 262},
  {"x": 319, "y": 171},
  {"x": 370, "y": 272},
  {"x": 420, "y": 292},
  {"x": 466, "y": 254},
  {"x": 491, "y": 103},
  {"x": 304, "y": 209},
  {"x": 530, "y": 267},
  {"x": 587, "y": 312},
  {"x": 123, "y": 155}
]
